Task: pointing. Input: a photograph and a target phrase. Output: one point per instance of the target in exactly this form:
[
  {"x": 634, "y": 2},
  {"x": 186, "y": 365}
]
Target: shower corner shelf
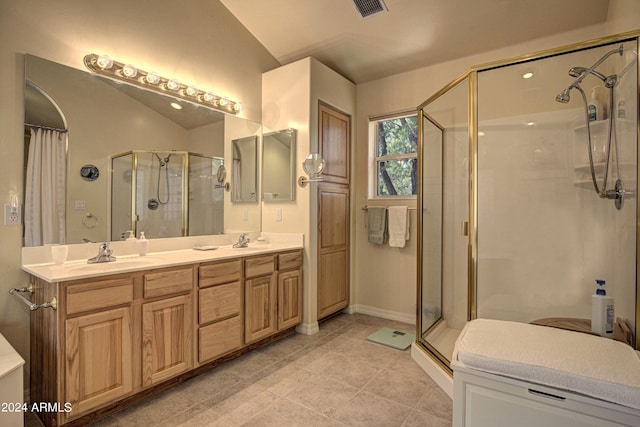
[{"x": 596, "y": 124}]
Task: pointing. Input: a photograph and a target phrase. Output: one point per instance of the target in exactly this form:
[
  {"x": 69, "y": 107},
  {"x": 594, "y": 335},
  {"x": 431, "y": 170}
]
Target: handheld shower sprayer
[{"x": 580, "y": 73}]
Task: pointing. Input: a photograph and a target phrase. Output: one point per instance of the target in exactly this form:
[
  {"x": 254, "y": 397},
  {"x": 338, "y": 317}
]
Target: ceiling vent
[{"x": 367, "y": 8}]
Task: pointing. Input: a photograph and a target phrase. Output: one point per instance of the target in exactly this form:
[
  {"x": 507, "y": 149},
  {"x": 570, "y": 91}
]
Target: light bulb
[
  {"x": 209, "y": 97},
  {"x": 152, "y": 78},
  {"x": 104, "y": 62},
  {"x": 173, "y": 84},
  {"x": 237, "y": 107},
  {"x": 129, "y": 71},
  {"x": 224, "y": 101},
  {"x": 191, "y": 91}
]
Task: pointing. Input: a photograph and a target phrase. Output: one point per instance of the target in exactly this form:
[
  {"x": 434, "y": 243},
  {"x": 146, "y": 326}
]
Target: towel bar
[
  {"x": 32, "y": 305},
  {"x": 366, "y": 208}
]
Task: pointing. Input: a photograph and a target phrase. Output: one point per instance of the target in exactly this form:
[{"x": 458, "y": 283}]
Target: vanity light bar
[{"x": 102, "y": 64}]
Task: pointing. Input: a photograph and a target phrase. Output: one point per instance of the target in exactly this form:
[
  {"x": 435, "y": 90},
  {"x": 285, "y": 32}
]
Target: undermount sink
[
  {"x": 254, "y": 247},
  {"x": 131, "y": 262}
]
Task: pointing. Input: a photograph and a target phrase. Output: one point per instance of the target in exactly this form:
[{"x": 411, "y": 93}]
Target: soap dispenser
[
  {"x": 602, "y": 311},
  {"x": 130, "y": 236},
  {"x": 142, "y": 243}
]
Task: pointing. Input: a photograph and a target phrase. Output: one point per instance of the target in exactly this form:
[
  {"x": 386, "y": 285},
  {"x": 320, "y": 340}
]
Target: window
[{"x": 394, "y": 169}]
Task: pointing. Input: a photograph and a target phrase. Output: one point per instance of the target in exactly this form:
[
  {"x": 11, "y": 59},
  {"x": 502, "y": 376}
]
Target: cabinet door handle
[{"x": 547, "y": 395}]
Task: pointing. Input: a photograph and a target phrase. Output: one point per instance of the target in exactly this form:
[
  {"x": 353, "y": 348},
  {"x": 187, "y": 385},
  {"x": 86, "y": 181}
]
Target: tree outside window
[{"x": 396, "y": 163}]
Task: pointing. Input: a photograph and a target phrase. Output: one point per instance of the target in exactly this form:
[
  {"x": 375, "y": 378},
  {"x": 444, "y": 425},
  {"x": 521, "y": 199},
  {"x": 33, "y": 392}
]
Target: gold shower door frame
[{"x": 471, "y": 228}]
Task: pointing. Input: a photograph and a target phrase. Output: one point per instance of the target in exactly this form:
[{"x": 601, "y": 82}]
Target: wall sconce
[
  {"x": 313, "y": 166},
  {"x": 12, "y": 210},
  {"x": 103, "y": 65}
]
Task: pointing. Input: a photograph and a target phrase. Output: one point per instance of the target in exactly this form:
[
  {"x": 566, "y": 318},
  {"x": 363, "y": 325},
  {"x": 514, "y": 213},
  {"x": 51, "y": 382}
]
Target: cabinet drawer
[
  {"x": 220, "y": 272},
  {"x": 218, "y": 302},
  {"x": 99, "y": 294},
  {"x": 219, "y": 338},
  {"x": 290, "y": 260},
  {"x": 168, "y": 282},
  {"x": 259, "y": 266}
]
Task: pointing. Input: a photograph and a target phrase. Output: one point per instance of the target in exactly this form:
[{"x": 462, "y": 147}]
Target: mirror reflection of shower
[
  {"x": 166, "y": 194},
  {"x": 617, "y": 193}
]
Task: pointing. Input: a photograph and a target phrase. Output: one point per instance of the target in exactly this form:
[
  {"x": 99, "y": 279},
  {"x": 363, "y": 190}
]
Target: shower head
[
  {"x": 578, "y": 71},
  {"x": 564, "y": 96}
]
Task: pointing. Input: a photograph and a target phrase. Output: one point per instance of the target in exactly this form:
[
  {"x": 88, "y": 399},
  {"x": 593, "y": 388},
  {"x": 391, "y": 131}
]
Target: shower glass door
[
  {"x": 543, "y": 234},
  {"x": 444, "y": 200}
]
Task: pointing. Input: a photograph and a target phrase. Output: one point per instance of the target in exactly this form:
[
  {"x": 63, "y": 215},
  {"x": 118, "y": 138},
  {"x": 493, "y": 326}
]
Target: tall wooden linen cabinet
[{"x": 334, "y": 140}]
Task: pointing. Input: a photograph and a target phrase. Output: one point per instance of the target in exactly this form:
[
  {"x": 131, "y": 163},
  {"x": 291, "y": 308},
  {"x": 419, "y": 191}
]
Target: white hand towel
[{"x": 398, "y": 217}]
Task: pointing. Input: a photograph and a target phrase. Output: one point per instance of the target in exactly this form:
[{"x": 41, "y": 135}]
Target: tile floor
[{"x": 333, "y": 378}]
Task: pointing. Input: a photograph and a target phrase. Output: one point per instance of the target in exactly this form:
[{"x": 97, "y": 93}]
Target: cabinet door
[
  {"x": 167, "y": 338},
  {"x": 260, "y": 307},
  {"x": 98, "y": 364},
  {"x": 334, "y": 138},
  {"x": 333, "y": 248},
  {"x": 289, "y": 299}
]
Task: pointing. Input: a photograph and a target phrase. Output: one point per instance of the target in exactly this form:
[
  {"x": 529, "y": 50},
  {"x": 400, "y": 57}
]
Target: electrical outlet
[
  {"x": 278, "y": 214},
  {"x": 12, "y": 218}
]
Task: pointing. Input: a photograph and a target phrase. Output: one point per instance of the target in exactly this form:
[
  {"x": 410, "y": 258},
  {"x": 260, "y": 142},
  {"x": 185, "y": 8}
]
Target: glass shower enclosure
[
  {"x": 527, "y": 200},
  {"x": 166, "y": 194}
]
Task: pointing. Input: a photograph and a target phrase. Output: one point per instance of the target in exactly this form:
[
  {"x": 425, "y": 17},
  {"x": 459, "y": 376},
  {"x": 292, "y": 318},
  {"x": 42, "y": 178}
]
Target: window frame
[{"x": 375, "y": 159}]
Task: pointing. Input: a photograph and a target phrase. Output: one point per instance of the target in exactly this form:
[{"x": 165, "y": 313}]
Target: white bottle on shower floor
[{"x": 602, "y": 312}]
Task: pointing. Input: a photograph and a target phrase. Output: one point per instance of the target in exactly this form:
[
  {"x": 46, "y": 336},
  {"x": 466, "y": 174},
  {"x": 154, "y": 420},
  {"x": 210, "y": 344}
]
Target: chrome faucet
[
  {"x": 243, "y": 242},
  {"x": 104, "y": 255}
]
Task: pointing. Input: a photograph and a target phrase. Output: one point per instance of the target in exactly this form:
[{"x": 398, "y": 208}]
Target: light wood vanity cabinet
[
  {"x": 289, "y": 289},
  {"x": 167, "y": 325},
  {"x": 98, "y": 357},
  {"x": 219, "y": 309},
  {"x": 116, "y": 339},
  {"x": 260, "y": 293}
]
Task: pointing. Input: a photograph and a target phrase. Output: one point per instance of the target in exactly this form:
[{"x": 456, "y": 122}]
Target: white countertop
[
  {"x": 128, "y": 262},
  {"x": 10, "y": 360}
]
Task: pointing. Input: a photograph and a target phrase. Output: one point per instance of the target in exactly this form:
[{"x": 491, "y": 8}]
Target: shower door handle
[{"x": 465, "y": 228}]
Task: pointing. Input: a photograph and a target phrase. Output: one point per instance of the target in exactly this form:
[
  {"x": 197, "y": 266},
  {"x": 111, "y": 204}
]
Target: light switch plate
[
  {"x": 278, "y": 214},
  {"x": 12, "y": 218}
]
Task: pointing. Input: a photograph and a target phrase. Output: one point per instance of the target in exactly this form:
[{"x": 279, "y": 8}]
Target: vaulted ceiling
[{"x": 411, "y": 34}]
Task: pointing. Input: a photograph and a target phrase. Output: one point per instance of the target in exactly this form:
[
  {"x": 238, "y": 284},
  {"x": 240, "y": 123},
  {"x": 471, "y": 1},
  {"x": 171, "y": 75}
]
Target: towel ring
[{"x": 90, "y": 220}]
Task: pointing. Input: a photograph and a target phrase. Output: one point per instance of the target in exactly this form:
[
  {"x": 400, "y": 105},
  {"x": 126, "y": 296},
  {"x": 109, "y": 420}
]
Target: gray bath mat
[{"x": 392, "y": 338}]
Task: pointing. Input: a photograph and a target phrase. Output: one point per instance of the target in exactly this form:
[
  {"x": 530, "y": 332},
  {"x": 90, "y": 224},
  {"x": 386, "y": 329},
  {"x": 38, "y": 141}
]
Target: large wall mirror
[
  {"x": 154, "y": 161},
  {"x": 279, "y": 165}
]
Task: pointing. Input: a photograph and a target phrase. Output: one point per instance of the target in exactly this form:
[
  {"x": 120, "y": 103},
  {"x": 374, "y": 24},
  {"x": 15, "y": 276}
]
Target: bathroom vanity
[{"x": 125, "y": 330}]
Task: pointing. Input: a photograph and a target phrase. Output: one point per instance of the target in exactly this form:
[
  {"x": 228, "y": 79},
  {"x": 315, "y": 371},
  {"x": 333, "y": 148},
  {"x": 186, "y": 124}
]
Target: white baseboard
[
  {"x": 308, "y": 328},
  {"x": 385, "y": 314},
  {"x": 437, "y": 374}
]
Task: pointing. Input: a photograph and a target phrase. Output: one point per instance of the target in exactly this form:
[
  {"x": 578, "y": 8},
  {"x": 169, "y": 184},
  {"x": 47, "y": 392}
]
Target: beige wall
[
  {"x": 197, "y": 41},
  {"x": 385, "y": 278},
  {"x": 290, "y": 96}
]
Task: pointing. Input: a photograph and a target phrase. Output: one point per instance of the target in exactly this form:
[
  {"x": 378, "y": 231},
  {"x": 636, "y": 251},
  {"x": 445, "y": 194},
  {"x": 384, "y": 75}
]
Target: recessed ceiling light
[
  {"x": 176, "y": 105},
  {"x": 527, "y": 75},
  {"x": 531, "y": 124}
]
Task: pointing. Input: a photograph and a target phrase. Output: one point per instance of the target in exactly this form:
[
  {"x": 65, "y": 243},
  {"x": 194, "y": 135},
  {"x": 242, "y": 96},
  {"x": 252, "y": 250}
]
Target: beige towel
[{"x": 398, "y": 226}]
